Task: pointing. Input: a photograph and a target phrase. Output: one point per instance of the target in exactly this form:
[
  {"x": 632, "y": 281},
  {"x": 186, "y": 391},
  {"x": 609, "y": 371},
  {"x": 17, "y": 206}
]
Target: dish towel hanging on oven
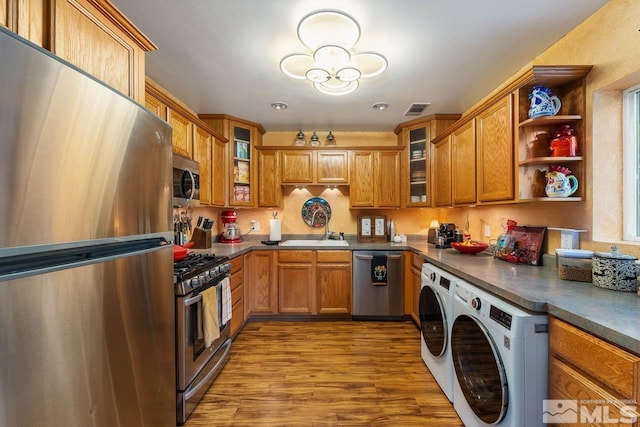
[
  {"x": 379, "y": 270},
  {"x": 226, "y": 300},
  {"x": 210, "y": 309}
]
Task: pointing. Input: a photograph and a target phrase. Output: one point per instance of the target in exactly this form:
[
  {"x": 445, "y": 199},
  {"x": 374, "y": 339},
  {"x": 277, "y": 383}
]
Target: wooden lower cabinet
[
  {"x": 299, "y": 283},
  {"x": 296, "y": 282},
  {"x": 264, "y": 285},
  {"x": 237, "y": 294},
  {"x": 601, "y": 379},
  {"x": 333, "y": 282},
  {"x": 413, "y": 285}
]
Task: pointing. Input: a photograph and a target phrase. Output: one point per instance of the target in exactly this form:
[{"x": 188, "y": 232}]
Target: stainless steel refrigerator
[{"x": 86, "y": 271}]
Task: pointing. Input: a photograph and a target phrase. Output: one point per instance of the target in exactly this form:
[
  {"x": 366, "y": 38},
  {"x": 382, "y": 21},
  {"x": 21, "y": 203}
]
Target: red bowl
[{"x": 471, "y": 249}]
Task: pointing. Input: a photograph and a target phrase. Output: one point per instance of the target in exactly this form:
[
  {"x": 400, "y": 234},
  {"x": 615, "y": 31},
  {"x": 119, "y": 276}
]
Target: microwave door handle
[
  {"x": 193, "y": 300},
  {"x": 193, "y": 184}
]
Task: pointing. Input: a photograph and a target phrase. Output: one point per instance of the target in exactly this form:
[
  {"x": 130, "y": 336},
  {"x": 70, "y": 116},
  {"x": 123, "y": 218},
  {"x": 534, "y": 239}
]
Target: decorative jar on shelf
[{"x": 564, "y": 142}]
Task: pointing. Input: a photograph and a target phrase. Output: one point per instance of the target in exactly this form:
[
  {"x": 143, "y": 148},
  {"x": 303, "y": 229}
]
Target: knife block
[{"x": 201, "y": 238}]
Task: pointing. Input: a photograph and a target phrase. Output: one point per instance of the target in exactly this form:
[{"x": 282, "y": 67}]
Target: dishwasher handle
[{"x": 371, "y": 256}]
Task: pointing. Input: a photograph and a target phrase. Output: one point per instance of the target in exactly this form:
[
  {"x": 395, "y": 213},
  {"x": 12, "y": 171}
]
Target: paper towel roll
[{"x": 275, "y": 229}]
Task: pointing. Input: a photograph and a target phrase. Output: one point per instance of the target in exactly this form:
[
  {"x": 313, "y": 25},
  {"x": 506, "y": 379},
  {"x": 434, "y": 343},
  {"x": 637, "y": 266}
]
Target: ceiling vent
[{"x": 416, "y": 108}]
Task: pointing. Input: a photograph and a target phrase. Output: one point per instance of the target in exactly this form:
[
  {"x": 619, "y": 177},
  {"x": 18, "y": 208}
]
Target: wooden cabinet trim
[
  {"x": 176, "y": 105},
  {"x": 559, "y": 74},
  {"x": 118, "y": 19}
]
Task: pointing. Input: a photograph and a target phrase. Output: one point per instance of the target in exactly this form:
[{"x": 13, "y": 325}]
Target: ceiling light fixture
[
  {"x": 279, "y": 105},
  {"x": 380, "y": 106},
  {"x": 332, "y": 66}
]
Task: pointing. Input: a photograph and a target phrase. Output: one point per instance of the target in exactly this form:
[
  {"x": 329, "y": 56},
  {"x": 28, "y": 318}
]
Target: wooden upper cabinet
[
  {"x": 268, "y": 182},
  {"x": 387, "y": 173},
  {"x": 4, "y": 14},
  {"x": 94, "y": 36},
  {"x": 362, "y": 185},
  {"x": 442, "y": 173},
  {"x": 297, "y": 167},
  {"x": 332, "y": 167},
  {"x": 463, "y": 164},
  {"x": 27, "y": 18},
  {"x": 219, "y": 164},
  {"x": 494, "y": 139},
  {"x": 416, "y": 136},
  {"x": 182, "y": 136},
  {"x": 375, "y": 179},
  {"x": 202, "y": 155},
  {"x": 156, "y": 106}
]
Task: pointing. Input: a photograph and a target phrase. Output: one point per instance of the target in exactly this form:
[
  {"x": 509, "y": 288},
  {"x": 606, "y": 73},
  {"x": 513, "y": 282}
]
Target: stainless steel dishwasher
[{"x": 372, "y": 299}]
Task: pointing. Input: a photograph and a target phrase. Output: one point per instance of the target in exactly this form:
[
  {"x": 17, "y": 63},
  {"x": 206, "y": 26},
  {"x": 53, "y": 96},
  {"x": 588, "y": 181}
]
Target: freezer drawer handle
[{"x": 371, "y": 257}]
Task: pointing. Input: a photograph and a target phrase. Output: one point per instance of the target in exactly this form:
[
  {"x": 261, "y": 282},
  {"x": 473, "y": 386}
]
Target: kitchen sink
[{"x": 309, "y": 242}]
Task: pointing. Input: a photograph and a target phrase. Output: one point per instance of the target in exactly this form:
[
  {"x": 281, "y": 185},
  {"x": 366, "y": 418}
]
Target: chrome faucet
[{"x": 327, "y": 233}]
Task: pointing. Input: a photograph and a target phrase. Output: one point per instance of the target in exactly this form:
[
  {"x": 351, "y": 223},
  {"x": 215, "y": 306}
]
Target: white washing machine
[
  {"x": 499, "y": 354},
  {"x": 436, "y": 314}
]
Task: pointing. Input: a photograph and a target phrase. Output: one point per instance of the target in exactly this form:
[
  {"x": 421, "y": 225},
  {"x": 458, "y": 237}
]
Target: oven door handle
[{"x": 193, "y": 300}]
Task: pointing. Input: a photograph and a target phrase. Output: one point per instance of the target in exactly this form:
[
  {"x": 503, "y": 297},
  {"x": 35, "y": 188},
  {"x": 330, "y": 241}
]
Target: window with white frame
[{"x": 631, "y": 164}]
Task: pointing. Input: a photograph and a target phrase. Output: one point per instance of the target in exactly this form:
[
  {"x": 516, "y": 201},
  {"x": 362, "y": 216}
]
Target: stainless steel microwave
[{"x": 186, "y": 181}]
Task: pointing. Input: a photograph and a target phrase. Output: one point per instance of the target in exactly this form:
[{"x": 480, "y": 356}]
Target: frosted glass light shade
[{"x": 328, "y": 28}]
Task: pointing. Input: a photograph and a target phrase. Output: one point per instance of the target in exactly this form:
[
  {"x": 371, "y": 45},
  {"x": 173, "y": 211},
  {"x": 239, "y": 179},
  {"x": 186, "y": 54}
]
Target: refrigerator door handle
[{"x": 193, "y": 300}]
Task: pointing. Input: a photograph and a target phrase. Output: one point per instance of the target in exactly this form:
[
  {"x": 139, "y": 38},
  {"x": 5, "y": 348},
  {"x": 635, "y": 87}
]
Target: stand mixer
[{"x": 230, "y": 229}]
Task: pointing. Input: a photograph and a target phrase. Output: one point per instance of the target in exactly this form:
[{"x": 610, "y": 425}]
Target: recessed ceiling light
[
  {"x": 279, "y": 105},
  {"x": 380, "y": 106}
]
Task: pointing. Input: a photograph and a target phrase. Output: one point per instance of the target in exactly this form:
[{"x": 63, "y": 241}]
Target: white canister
[{"x": 616, "y": 271}]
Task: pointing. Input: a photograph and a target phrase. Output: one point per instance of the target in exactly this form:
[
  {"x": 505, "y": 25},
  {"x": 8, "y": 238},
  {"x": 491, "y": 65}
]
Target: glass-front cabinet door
[
  {"x": 419, "y": 179},
  {"x": 241, "y": 194}
]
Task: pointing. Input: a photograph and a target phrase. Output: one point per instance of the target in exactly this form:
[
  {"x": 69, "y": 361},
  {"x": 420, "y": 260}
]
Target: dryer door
[
  {"x": 433, "y": 321},
  {"x": 479, "y": 369}
]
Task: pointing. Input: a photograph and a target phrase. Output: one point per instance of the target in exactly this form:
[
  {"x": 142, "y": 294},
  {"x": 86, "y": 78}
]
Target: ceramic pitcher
[
  {"x": 543, "y": 103},
  {"x": 560, "y": 185}
]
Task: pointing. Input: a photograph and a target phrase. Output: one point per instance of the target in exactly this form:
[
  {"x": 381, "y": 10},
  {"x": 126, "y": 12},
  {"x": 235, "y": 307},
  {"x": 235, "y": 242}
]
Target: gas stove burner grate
[{"x": 195, "y": 264}]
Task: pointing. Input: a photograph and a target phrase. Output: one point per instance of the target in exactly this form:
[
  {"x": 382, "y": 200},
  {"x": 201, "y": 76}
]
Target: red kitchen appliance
[{"x": 230, "y": 229}]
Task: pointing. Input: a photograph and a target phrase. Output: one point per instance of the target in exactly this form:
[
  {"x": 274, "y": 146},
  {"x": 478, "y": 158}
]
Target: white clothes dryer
[
  {"x": 499, "y": 354},
  {"x": 436, "y": 314}
]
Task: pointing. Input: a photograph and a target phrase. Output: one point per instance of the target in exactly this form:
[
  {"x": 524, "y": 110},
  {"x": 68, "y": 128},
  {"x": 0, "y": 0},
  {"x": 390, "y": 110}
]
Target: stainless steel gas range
[{"x": 198, "y": 364}]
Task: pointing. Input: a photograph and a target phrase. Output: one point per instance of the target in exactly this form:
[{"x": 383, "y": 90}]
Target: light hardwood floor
[{"x": 329, "y": 373}]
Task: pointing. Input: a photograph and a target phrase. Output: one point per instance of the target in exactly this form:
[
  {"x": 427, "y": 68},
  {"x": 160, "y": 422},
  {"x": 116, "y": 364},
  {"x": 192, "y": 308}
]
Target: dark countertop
[{"x": 611, "y": 315}]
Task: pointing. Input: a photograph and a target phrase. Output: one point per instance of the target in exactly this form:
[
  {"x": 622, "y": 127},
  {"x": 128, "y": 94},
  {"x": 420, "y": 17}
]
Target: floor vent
[{"x": 416, "y": 108}]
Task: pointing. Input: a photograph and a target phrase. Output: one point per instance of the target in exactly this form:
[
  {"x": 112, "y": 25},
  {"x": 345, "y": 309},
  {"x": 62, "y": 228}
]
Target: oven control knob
[
  {"x": 214, "y": 272},
  {"x": 475, "y": 303}
]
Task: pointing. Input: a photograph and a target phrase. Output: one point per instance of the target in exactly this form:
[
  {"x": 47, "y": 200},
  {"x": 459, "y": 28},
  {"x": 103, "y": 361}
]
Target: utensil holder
[{"x": 201, "y": 238}]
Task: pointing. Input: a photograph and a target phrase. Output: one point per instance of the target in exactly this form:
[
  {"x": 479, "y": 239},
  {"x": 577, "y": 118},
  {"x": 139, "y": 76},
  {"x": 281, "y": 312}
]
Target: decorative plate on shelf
[{"x": 316, "y": 212}]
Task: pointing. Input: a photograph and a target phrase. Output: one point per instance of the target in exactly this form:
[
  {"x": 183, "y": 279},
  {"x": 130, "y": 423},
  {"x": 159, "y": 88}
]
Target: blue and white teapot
[{"x": 543, "y": 103}]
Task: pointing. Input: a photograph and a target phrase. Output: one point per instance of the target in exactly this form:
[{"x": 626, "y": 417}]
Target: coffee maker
[
  {"x": 230, "y": 229},
  {"x": 445, "y": 235}
]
